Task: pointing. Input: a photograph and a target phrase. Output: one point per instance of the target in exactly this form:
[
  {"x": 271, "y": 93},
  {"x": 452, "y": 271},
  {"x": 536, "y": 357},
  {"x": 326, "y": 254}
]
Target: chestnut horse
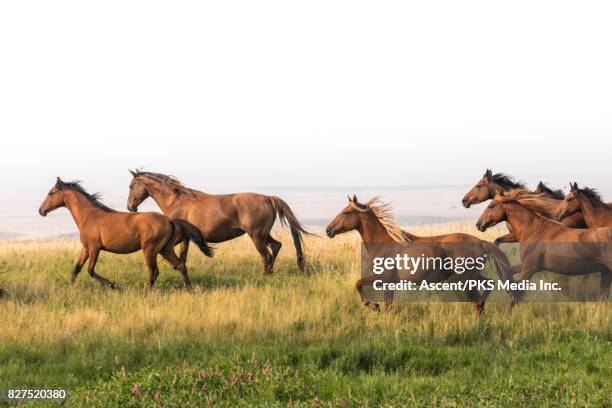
[
  {"x": 550, "y": 245},
  {"x": 104, "y": 229},
  {"x": 220, "y": 217},
  {"x": 587, "y": 201},
  {"x": 376, "y": 226},
  {"x": 490, "y": 184}
]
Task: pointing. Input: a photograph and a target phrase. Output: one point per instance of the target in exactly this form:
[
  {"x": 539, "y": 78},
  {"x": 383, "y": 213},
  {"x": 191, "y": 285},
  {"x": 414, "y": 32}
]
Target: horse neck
[
  {"x": 590, "y": 212},
  {"x": 523, "y": 221},
  {"x": 80, "y": 208},
  {"x": 371, "y": 230},
  {"x": 164, "y": 196},
  {"x": 495, "y": 188}
]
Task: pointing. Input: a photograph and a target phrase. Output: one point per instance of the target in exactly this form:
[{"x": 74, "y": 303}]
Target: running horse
[
  {"x": 490, "y": 184},
  {"x": 383, "y": 237},
  {"x": 547, "y": 244},
  {"x": 222, "y": 217},
  {"x": 103, "y": 229},
  {"x": 587, "y": 201}
]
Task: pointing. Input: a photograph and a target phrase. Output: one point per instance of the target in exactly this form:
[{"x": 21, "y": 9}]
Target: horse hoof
[{"x": 375, "y": 307}]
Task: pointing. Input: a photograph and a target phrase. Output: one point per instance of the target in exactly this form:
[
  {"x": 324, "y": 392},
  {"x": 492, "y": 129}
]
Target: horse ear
[
  {"x": 574, "y": 186},
  {"x": 355, "y": 199},
  {"x": 133, "y": 173},
  {"x": 59, "y": 180},
  {"x": 349, "y": 198},
  {"x": 488, "y": 174}
]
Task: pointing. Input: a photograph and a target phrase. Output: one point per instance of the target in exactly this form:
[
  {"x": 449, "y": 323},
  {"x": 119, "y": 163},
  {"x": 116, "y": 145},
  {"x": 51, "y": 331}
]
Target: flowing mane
[
  {"x": 593, "y": 196},
  {"x": 93, "y": 198},
  {"x": 543, "y": 188},
  {"x": 382, "y": 212},
  {"x": 507, "y": 182},
  {"x": 540, "y": 203},
  {"x": 171, "y": 181}
]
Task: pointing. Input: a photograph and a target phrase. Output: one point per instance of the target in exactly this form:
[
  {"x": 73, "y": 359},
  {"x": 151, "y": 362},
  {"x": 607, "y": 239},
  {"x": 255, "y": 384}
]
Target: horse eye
[
  {"x": 345, "y": 212},
  {"x": 50, "y": 193}
]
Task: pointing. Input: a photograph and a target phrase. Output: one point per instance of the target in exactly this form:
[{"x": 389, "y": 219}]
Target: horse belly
[
  {"x": 223, "y": 234},
  {"x": 121, "y": 243},
  {"x": 570, "y": 265}
]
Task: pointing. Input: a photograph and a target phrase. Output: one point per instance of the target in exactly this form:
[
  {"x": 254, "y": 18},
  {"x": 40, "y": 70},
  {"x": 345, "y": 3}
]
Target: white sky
[{"x": 236, "y": 95}]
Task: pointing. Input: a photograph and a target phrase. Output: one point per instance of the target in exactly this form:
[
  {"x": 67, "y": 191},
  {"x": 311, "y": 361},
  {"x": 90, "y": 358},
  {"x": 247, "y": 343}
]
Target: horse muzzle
[
  {"x": 466, "y": 203},
  {"x": 330, "y": 232},
  {"x": 42, "y": 212},
  {"x": 482, "y": 226}
]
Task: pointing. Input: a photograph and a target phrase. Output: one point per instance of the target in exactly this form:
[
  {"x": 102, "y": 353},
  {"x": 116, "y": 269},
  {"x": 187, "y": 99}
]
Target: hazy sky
[{"x": 239, "y": 95}]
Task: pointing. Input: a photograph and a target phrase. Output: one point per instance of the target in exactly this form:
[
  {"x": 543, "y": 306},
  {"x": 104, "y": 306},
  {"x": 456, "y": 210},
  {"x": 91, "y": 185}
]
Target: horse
[
  {"x": 103, "y": 229},
  {"x": 589, "y": 203},
  {"x": 490, "y": 184},
  {"x": 543, "y": 188},
  {"x": 583, "y": 251},
  {"x": 220, "y": 218},
  {"x": 383, "y": 237}
]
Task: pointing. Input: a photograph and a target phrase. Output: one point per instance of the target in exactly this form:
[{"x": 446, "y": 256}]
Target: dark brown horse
[
  {"x": 588, "y": 202},
  {"x": 490, "y": 184},
  {"x": 550, "y": 245},
  {"x": 384, "y": 238},
  {"x": 220, "y": 217},
  {"x": 104, "y": 229}
]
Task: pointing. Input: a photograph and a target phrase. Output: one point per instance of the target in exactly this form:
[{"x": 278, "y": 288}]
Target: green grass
[{"x": 291, "y": 339}]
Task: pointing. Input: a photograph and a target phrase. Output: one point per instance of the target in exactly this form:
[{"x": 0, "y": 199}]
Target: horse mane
[
  {"x": 93, "y": 198},
  {"x": 543, "y": 188},
  {"x": 593, "y": 196},
  {"x": 171, "y": 181},
  {"x": 540, "y": 203},
  {"x": 382, "y": 212},
  {"x": 507, "y": 182}
]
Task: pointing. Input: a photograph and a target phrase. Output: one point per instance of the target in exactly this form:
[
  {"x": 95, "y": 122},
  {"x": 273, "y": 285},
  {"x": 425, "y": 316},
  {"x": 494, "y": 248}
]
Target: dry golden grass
[{"x": 241, "y": 305}]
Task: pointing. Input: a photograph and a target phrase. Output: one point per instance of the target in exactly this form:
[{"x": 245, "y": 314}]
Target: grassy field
[{"x": 289, "y": 339}]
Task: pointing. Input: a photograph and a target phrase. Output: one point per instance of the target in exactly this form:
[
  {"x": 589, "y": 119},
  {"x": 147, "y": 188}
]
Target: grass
[{"x": 289, "y": 339}]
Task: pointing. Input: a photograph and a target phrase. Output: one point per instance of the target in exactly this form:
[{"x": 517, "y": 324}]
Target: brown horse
[
  {"x": 220, "y": 217},
  {"x": 550, "y": 245},
  {"x": 384, "y": 238},
  {"x": 104, "y": 229},
  {"x": 589, "y": 203},
  {"x": 490, "y": 184}
]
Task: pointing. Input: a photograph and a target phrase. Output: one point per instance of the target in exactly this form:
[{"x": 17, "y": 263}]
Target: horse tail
[
  {"x": 188, "y": 232},
  {"x": 286, "y": 216},
  {"x": 502, "y": 267}
]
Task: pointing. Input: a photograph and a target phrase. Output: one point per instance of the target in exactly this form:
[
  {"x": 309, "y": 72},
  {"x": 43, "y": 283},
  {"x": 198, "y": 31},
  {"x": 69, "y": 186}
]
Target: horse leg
[
  {"x": 151, "y": 260},
  {"x": 364, "y": 299},
  {"x": 168, "y": 253},
  {"x": 474, "y": 297},
  {"x": 79, "y": 264},
  {"x": 262, "y": 248},
  {"x": 483, "y": 297},
  {"x": 388, "y": 294},
  {"x": 93, "y": 259},
  {"x": 275, "y": 246},
  {"x": 604, "y": 285},
  {"x": 528, "y": 269},
  {"x": 508, "y": 239},
  {"x": 183, "y": 254}
]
